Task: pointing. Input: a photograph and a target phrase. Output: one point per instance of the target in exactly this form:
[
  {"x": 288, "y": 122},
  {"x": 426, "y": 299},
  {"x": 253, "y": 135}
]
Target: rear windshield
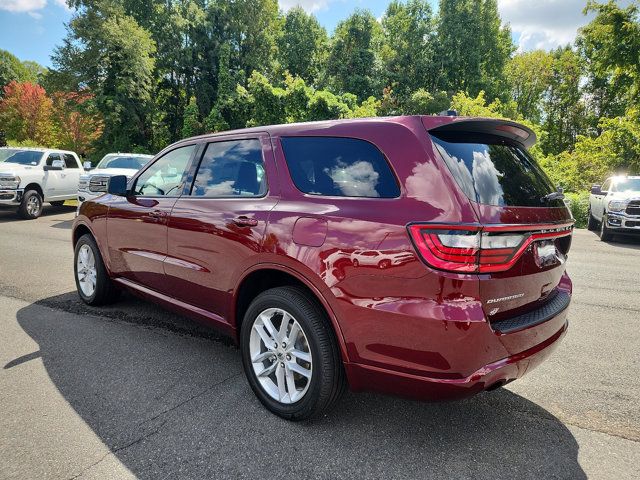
[
  {"x": 335, "y": 166},
  {"x": 493, "y": 171}
]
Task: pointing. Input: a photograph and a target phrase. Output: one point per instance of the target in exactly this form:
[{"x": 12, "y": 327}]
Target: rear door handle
[{"x": 245, "y": 221}]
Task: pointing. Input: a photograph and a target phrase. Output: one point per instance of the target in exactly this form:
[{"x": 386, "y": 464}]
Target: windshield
[
  {"x": 493, "y": 171},
  {"x": 21, "y": 157},
  {"x": 627, "y": 185},
  {"x": 133, "y": 162}
]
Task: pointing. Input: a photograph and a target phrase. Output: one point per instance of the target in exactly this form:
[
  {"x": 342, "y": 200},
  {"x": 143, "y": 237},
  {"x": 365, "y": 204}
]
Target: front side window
[
  {"x": 165, "y": 177},
  {"x": 336, "y": 166},
  {"x": 52, "y": 157},
  {"x": 231, "y": 169},
  {"x": 606, "y": 186},
  {"x": 21, "y": 157}
]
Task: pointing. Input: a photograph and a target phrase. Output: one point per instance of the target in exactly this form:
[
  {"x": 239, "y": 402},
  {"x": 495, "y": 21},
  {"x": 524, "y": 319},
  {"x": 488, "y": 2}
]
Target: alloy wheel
[
  {"x": 280, "y": 355},
  {"x": 33, "y": 205},
  {"x": 86, "y": 270}
]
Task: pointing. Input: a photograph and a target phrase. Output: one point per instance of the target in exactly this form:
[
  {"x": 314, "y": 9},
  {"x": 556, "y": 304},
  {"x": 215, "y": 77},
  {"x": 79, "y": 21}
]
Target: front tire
[
  {"x": 92, "y": 281},
  {"x": 289, "y": 354},
  {"x": 31, "y": 206},
  {"x": 605, "y": 233}
]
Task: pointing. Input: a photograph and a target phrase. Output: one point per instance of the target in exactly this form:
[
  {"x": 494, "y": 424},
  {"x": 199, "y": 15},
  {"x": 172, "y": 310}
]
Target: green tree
[
  {"x": 353, "y": 64},
  {"x": 302, "y": 48},
  {"x": 610, "y": 47},
  {"x": 191, "y": 124},
  {"x": 564, "y": 109},
  {"x": 109, "y": 53},
  {"x": 529, "y": 75},
  {"x": 408, "y": 51},
  {"x": 473, "y": 47},
  {"x": 11, "y": 68}
]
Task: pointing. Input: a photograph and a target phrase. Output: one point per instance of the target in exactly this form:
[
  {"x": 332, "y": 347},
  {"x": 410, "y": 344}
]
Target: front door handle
[
  {"x": 245, "y": 221},
  {"x": 157, "y": 216}
]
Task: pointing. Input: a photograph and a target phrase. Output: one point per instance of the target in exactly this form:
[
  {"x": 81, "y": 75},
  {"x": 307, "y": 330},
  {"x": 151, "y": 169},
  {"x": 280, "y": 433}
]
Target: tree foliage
[{"x": 26, "y": 112}]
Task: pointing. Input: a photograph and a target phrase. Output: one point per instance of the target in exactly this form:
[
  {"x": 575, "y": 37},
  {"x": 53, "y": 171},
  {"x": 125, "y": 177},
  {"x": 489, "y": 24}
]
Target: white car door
[
  {"x": 72, "y": 174},
  {"x": 54, "y": 184},
  {"x": 602, "y": 198}
]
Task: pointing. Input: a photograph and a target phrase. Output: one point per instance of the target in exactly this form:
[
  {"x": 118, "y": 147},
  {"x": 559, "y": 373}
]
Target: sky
[{"x": 31, "y": 29}]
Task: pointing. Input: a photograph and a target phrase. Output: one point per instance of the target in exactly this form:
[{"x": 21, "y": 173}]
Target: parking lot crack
[
  {"x": 118, "y": 449},
  {"x": 191, "y": 398}
]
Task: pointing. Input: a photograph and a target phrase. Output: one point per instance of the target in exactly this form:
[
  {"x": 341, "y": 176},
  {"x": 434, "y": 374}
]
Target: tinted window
[
  {"x": 164, "y": 177},
  {"x": 70, "y": 161},
  {"x": 492, "y": 171},
  {"x": 22, "y": 157},
  {"x": 606, "y": 186},
  {"x": 131, "y": 162},
  {"x": 231, "y": 169},
  {"x": 52, "y": 157},
  {"x": 345, "y": 167}
]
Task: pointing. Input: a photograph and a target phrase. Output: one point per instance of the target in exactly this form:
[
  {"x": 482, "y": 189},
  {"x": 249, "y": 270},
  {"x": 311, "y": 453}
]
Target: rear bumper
[{"x": 370, "y": 378}]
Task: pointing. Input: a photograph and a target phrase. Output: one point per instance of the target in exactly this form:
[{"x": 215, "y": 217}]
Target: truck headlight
[
  {"x": 9, "y": 182},
  {"x": 617, "y": 205}
]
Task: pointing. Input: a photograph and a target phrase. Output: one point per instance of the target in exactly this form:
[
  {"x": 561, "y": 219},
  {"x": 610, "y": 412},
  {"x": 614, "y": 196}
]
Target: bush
[{"x": 579, "y": 206}]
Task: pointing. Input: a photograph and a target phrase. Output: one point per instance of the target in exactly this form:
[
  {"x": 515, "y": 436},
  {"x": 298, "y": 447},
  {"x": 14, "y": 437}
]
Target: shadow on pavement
[
  {"x": 10, "y": 214},
  {"x": 623, "y": 241},
  {"x": 175, "y": 406}
]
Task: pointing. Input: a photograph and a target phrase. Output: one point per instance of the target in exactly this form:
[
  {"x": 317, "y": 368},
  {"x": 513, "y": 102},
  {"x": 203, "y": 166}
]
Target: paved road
[{"x": 134, "y": 391}]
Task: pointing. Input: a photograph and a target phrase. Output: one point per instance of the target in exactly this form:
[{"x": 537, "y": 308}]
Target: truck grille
[
  {"x": 633, "y": 208},
  {"x": 98, "y": 184}
]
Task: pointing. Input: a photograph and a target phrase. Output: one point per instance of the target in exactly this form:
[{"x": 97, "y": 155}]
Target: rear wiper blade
[{"x": 552, "y": 196}]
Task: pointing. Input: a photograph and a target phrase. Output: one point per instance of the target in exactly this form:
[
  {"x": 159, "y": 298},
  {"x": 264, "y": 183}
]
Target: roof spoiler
[{"x": 502, "y": 128}]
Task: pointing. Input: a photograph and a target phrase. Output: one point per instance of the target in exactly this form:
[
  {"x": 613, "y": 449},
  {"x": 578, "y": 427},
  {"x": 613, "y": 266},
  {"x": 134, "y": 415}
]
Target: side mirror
[
  {"x": 87, "y": 165},
  {"x": 55, "y": 165},
  {"x": 596, "y": 189},
  {"x": 117, "y": 185}
]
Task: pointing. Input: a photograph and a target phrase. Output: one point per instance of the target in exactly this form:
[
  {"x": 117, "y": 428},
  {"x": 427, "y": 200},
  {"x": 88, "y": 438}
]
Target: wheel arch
[
  {"x": 266, "y": 276},
  {"x": 35, "y": 186}
]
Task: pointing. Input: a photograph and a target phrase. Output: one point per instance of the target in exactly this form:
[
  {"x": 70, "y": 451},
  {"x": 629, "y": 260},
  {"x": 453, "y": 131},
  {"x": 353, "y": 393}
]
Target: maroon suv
[{"x": 418, "y": 256}]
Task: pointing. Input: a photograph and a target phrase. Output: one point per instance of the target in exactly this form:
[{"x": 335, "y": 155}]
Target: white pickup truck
[
  {"x": 614, "y": 207},
  {"x": 31, "y": 176}
]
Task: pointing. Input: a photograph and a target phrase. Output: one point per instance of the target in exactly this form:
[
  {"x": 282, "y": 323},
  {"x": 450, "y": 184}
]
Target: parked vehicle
[
  {"x": 253, "y": 231},
  {"x": 614, "y": 207},
  {"x": 31, "y": 176},
  {"x": 94, "y": 183}
]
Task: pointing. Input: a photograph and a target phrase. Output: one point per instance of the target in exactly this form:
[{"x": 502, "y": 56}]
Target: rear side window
[
  {"x": 342, "y": 167},
  {"x": 70, "y": 161},
  {"x": 493, "y": 171},
  {"x": 231, "y": 169}
]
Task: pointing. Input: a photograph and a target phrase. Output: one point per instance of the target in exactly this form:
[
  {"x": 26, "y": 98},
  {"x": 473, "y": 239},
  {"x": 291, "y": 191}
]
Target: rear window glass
[
  {"x": 493, "y": 171},
  {"x": 343, "y": 167}
]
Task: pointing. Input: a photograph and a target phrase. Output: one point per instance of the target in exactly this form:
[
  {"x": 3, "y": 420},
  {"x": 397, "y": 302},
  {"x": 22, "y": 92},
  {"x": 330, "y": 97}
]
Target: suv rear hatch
[{"x": 520, "y": 244}]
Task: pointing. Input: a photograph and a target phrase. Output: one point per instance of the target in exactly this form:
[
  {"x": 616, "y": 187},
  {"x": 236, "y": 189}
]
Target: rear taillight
[{"x": 477, "y": 248}]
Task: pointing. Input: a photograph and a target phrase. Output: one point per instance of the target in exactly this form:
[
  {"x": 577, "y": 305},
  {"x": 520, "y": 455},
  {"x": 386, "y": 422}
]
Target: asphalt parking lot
[{"x": 134, "y": 391}]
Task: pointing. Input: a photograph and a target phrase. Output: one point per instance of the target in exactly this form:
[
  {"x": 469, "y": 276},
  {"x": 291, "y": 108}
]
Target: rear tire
[
  {"x": 605, "y": 233},
  {"x": 311, "y": 350},
  {"x": 31, "y": 206},
  {"x": 592, "y": 223},
  {"x": 92, "y": 280}
]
